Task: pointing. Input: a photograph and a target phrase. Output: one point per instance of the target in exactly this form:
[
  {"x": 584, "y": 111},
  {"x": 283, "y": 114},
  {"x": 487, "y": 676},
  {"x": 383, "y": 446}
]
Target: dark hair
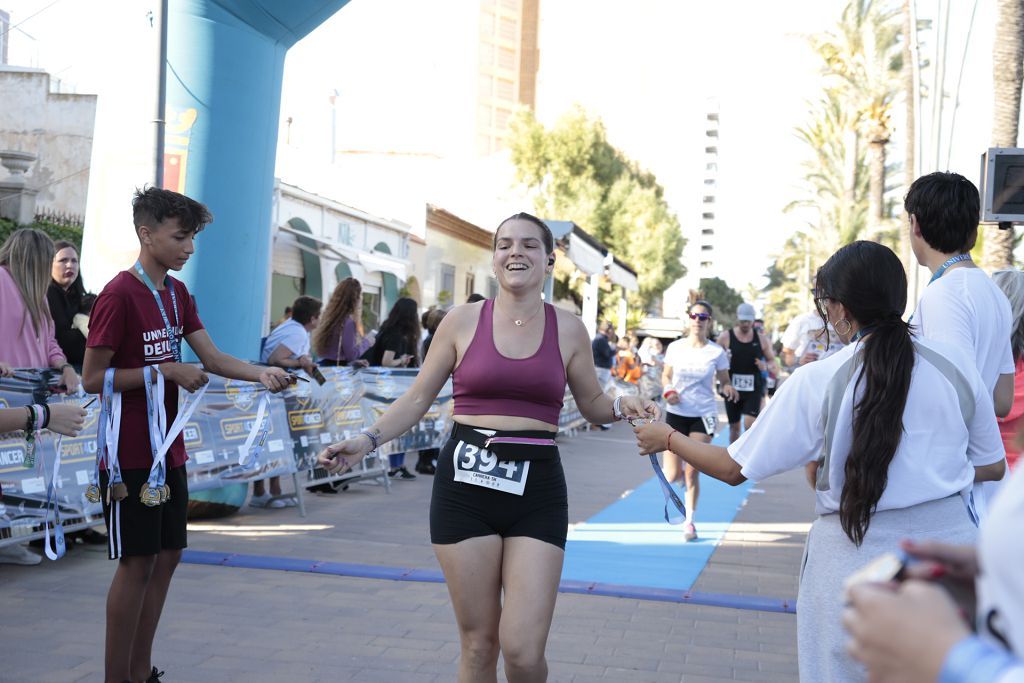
[
  {"x": 434, "y": 318},
  {"x": 77, "y": 289},
  {"x": 404, "y": 320},
  {"x": 701, "y": 302},
  {"x": 868, "y": 279},
  {"x": 305, "y": 308},
  {"x": 154, "y": 205},
  {"x": 474, "y": 297},
  {"x": 947, "y": 208},
  {"x": 545, "y": 232}
]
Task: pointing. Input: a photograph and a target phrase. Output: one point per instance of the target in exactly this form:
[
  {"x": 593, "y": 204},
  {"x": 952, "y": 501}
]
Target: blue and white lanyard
[
  {"x": 675, "y": 510},
  {"x": 172, "y": 337},
  {"x": 58, "y": 547},
  {"x": 942, "y": 269},
  {"x": 108, "y": 433},
  {"x": 251, "y": 450},
  {"x": 160, "y": 437}
]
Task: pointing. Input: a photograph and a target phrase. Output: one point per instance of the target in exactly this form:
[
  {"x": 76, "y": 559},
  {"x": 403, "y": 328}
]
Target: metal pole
[{"x": 161, "y": 98}]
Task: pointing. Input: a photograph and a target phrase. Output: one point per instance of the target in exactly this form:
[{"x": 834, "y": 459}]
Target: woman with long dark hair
[
  {"x": 397, "y": 347},
  {"x": 339, "y": 339},
  {"x": 499, "y": 511},
  {"x": 900, "y": 429}
]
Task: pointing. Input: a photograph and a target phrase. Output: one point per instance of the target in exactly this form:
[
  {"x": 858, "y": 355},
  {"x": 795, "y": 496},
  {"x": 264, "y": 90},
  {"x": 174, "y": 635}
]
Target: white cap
[{"x": 745, "y": 312}]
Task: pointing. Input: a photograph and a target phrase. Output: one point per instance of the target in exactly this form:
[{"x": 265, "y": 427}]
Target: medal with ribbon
[
  {"x": 249, "y": 453},
  {"x": 108, "y": 433},
  {"x": 675, "y": 509},
  {"x": 56, "y": 550}
]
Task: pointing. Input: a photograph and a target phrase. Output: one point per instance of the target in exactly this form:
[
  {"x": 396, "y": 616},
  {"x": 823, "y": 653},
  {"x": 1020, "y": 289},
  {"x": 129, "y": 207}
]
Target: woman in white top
[
  {"x": 691, "y": 365},
  {"x": 900, "y": 429}
]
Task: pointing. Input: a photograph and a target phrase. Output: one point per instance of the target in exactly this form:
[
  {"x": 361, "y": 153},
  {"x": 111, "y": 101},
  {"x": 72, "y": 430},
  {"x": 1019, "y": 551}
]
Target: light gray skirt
[{"x": 830, "y": 556}]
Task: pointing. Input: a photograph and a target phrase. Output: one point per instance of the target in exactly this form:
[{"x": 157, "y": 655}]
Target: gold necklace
[{"x": 520, "y": 322}]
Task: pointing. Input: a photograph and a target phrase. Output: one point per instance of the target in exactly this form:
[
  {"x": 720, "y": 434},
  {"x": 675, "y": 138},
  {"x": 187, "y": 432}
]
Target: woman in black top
[
  {"x": 396, "y": 347},
  {"x": 65, "y": 296}
]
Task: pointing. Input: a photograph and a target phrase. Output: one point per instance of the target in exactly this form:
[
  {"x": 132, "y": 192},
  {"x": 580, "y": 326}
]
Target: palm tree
[
  {"x": 865, "y": 56},
  {"x": 1007, "y": 73}
]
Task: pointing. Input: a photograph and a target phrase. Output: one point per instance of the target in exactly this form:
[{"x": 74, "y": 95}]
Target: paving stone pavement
[{"x": 257, "y": 626}]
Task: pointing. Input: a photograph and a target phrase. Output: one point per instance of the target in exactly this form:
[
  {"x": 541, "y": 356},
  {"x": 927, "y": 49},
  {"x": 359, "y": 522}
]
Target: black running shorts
[
  {"x": 133, "y": 528},
  {"x": 460, "y": 510},
  {"x": 685, "y": 425},
  {"x": 749, "y": 404}
]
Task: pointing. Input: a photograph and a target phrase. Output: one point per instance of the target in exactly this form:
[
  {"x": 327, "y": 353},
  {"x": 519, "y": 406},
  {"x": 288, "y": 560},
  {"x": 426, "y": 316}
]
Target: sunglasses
[{"x": 700, "y": 316}]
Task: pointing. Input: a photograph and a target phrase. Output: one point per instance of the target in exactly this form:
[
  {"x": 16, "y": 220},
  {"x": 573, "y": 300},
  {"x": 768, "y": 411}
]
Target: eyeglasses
[{"x": 700, "y": 316}]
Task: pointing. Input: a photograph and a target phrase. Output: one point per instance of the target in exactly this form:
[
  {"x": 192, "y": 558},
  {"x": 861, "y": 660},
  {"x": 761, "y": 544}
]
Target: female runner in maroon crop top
[{"x": 492, "y": 540}]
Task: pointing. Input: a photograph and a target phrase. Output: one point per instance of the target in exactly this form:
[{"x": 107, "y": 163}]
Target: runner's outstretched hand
[
  {"x": 344, "y": 455},
  {"x": 652, "y": 438}
]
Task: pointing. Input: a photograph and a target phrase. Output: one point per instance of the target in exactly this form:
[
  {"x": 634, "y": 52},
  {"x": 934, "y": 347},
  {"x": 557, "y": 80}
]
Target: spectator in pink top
[
  {"x": 28, "y": 339},
  {"x": 1011, "y": 281}
]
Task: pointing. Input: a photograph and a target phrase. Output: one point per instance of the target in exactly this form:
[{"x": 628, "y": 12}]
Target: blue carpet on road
[{"x": 630, "y": 543}]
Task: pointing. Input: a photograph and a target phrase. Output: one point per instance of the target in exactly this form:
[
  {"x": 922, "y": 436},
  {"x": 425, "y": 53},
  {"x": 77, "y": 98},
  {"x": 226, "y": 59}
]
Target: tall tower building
[
  {"x": 508, "y": 60},
  {"x": 705, "y": 252}
]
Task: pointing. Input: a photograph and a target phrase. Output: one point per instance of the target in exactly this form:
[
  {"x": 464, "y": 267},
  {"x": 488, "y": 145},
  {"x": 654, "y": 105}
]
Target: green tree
[{"x": 574, "y": 173}]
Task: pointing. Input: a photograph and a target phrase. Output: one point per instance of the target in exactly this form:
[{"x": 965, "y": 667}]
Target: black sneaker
[
  {"x": 154, "y": 676},
  {"x": 401, "y": 473},
  {"x": 425, "y": 468}
]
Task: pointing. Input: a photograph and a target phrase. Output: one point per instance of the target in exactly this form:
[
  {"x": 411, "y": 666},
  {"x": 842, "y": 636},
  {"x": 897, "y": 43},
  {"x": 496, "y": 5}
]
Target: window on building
[
  {"x": 711, "y": 167},
  {"x": 506, "y": 90},
  {"x": 708, "y": 231},
  {"x": 713, "y": 116},
  {"x": 712, "y": 133},
  {"x": 484, "y": 112},
  {"x": 345, "y": 233},
  {"x": 709, "y": 199},
  {"x": 506, "y": 59},
  {"x": 470, "y": 284},
  {"x": 707, "y": 247},
  {"x": 510, "y": 4},
  {"x": 447, "y": 284},
  {"x": 486, "y": 23},
  {"x": 501, "y": 118},
  {"x": 486, "y": 86},
  {"x": 486, "y": 54},
  {"x": 706, "y": 265},
  {"x": 507, "y": 29},
  {"x": 711, "y": 150},
  {"x": 708, "y": 216}
]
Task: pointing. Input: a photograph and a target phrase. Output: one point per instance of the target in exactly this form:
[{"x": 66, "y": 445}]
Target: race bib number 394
[{"x": 480, "y": 467}]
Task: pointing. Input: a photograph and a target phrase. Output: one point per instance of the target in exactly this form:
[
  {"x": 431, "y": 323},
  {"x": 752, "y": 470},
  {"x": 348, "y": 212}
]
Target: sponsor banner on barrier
[
  {"x": 216, "y": 433},
  {"x": 319, "y": 415},
  {"x": 24, "y": 488},
  {"x": 381, "y": 386}
]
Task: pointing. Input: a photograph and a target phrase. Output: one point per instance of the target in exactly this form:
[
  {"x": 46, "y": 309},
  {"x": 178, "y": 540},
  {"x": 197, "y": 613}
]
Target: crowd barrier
[{"x": 303, "y": 419}]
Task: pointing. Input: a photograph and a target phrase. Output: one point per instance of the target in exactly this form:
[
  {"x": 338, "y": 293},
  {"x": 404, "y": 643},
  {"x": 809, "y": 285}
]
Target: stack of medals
[{"x": 156, "y": 491}]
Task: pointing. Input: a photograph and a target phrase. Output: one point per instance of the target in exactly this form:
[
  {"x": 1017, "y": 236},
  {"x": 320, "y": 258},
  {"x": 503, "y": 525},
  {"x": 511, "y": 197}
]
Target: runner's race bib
[
  {"x": 710, "y": 422},
  {"x": 743, "y": 382},
  {"x": 480, "y": 467}
]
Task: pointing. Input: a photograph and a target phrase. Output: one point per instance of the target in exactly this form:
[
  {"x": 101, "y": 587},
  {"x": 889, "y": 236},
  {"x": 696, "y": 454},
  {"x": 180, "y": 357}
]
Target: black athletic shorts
[
  {"x": 685, "y": 425},
  {"x": 749, "y": 404},
  {"x": 460, "y": 510},
  {"x": 133, "y": 528}
]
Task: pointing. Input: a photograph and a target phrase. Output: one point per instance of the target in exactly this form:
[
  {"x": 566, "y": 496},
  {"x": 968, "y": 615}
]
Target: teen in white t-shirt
[
  {"x": 923, "y": 431},
  {"x": 691, "y": 365},
  {"x": 804, "y": 340}
]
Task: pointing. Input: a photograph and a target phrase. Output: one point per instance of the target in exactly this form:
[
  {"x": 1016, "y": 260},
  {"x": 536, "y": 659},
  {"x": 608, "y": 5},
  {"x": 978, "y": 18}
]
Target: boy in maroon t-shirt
[{"x": 130, "y": 331}]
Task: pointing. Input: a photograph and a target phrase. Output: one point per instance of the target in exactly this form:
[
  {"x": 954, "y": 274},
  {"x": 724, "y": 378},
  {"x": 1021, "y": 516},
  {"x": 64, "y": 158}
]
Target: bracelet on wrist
[
  {"x": 374, "y": 443},
  {"x": 46, "y": 416},
  {"x": 616, "y": 410},
  {"x": 669, "y": 441},
  {"x": 30, "y": 420}
]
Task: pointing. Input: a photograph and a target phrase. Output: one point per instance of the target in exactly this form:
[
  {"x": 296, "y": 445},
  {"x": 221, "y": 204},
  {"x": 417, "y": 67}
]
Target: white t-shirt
[
  {"x": 1001, "y": 555},
  {"x": 806, "y": 333},
  {"x": 290, "y": 333},
  {"x": 966, "y": 309},
  {"x": 693, "y": 376},
  {"x": 937, "y": 452}
]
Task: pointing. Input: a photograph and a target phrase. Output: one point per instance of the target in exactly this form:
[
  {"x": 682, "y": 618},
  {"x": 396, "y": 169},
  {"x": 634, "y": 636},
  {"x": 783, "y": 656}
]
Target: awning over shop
[{"x": 360, "y": 262}]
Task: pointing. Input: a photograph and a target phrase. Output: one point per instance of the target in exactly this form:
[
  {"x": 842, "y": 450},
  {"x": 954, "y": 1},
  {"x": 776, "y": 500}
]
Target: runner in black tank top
[{"x": 748, "y": 353}]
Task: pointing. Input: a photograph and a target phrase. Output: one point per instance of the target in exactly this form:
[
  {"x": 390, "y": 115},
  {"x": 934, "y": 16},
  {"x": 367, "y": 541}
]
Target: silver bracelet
[
  {"x": 616, "y": 411},
  {"x": 373, "y": 439}
]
